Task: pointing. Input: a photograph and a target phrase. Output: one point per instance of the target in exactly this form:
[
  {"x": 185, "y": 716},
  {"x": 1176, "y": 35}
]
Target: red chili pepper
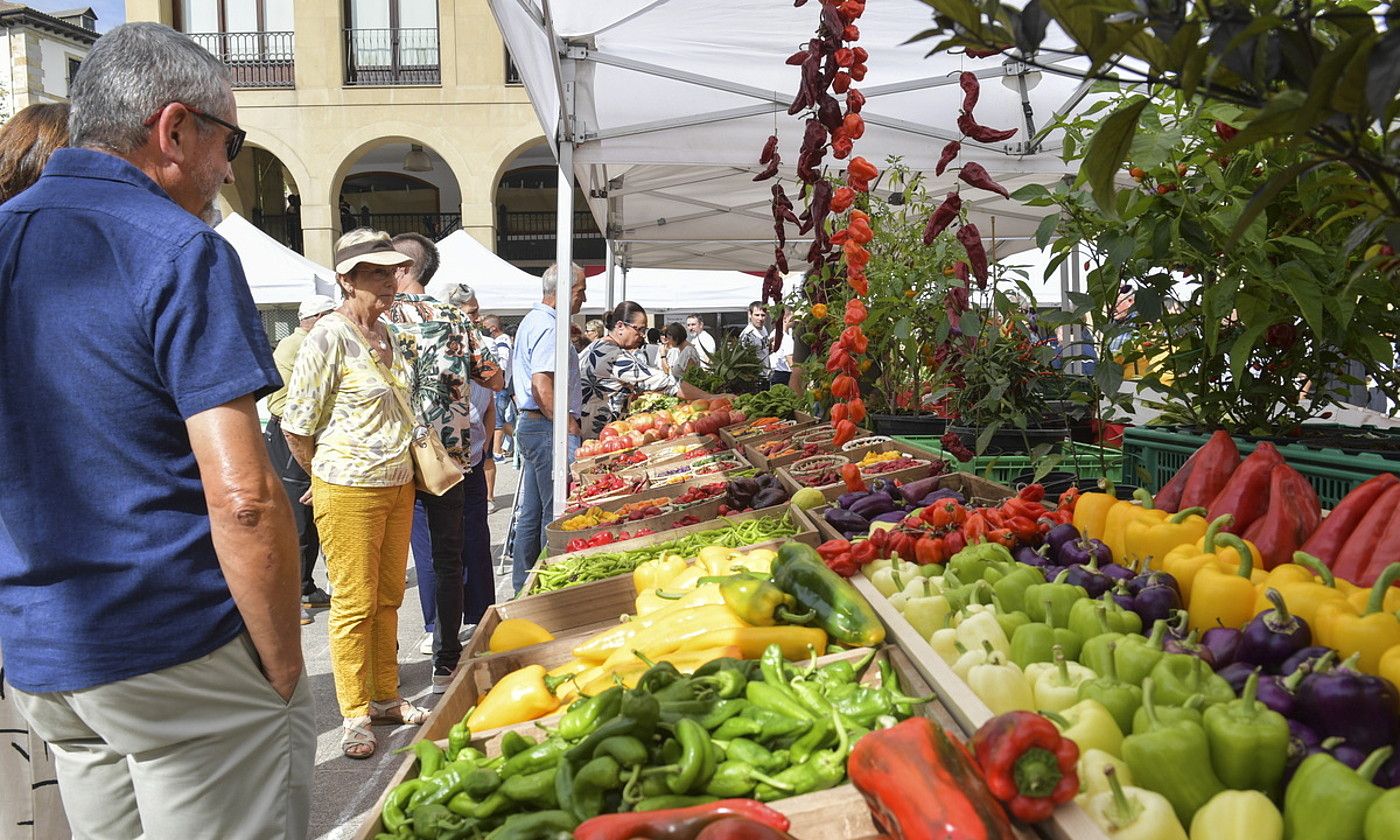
[
  {"x": 769, "y": 148},
  {"x": 971, "y": 239},
  {"x": 855, "y": 340},
  {"x": 858, "y": 72},
  {"x": 942, "y": 217},
  {"x": 1027, "y": 763},
  {"x": 857, "y": 409},
  {"x": 1023, "y": 529},
  {"x": 927, "y": 549},
  {"x": 841, "y": 147},
  {"x": 976, "y": 174},
  {"x": 850, "y": 473},
  {"x": 1068, "y": 499},
  {"x": 862, "y": 168},
  {"x": 975, "y": 529},
  {"x": 845, "y": 433},
  {"x": 858, "y": 282},
  {"x": 852, "y": 9},
  {"x": 1292, "y": 516},
  {"x": 860, "y": 227},
  {"x": 880, "y": 538},
  {"x": 844, "y": 565},
  {"x": 841, "y": 82},
  {"x": 850, "y": 32},
  {"x": 954, "y": 541},
  {"x": 863, "y": 551},
  {"x": 981, "y": 133},
  {"x": 945, "y": 157},
  {"x": 841, "y": 236},
  {"x": 853, "y": 125},
  {"x": 832, "y": 548},
  {"x": 844, "y": 57},
  {"x": 855, "y": 254},
  {"x": 971, "y": 90},
  {"x": 677, "y": 822},
  {"x": 842, "y": 199},
  {"x": 1002, "y": 536},
  {"x": 1032, "y": 492},
  {"x": 1225, "y": 131},
  {"x": 903, "y": 544},
  {"x": 844, "y": 387},
  {"x": 855, "y": 100},
  {"x": 856, "y": 312},
  {"x": 1327, "y": 541}
]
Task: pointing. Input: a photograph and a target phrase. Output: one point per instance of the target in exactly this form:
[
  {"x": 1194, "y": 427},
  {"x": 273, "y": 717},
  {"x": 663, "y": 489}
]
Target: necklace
[{"x": 371, "y": 337}]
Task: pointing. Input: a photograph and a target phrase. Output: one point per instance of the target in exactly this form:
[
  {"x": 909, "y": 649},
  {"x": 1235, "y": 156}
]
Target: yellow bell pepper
[
  {"x": 658, "y": 599},
  {"x": 1121, "y": 515},
  {"x": 1222, "y": 597},
  {"x": 522, "y": 695},
  {"x": 1237, "y": 815},
  {"x": 1091, "y": 511},
  {"x": 1145, "y": 541},
  {"x": 715, "y": 559},
  {"x": 657, "y": 573},
  {"x": 685, "y": 661},
  {"x": 1302, "y": 594},
  {"x": 1369, "y": 634},
  {"x": 1183, "y": 562},
  {"x": 1360, "y": 596},
  {"x": 753, "y": 641},
  {"x": 690, "y": 578},
  {"x": 516, "y": 633},
  {"x": 675, "y": 632},
  {"x": 1389, "y": 666}
]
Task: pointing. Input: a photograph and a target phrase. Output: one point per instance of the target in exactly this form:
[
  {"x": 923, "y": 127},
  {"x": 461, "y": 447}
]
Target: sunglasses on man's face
[{"x": 233, "y": 143}]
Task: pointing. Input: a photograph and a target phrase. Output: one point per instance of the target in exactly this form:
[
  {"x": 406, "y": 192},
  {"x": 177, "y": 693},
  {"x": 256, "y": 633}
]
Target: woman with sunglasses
[{"x": 613, "y": 369}]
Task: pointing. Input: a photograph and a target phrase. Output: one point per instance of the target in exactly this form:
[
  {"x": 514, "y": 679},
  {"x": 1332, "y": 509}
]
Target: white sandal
[
  {"x": 397, "y": 711},
  {"x": 357, "y": 740}
]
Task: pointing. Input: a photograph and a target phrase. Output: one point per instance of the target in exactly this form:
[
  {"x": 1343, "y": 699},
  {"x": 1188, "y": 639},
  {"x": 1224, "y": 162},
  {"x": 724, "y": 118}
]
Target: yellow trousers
[{"x": 364, "y": 534}]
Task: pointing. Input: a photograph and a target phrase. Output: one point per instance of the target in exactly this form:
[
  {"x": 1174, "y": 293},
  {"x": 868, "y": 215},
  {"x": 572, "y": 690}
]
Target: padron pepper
[
  {"x": 1028, "y": 765},
  {"x": 1248, "y": 742}
]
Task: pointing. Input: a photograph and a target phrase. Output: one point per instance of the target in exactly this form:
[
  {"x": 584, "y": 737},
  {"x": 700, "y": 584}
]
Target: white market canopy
[
  {"x": 664, "y": 105},
  {"x": 276, "y": 274}
]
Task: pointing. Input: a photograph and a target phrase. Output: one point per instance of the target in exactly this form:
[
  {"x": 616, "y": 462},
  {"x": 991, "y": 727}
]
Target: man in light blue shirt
[{"x": 532, "y": 380}]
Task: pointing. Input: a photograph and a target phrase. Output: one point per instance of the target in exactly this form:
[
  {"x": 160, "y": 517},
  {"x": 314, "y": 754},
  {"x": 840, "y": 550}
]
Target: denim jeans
[
  {"x": 437, "y": 558},
  {"x": 534, "y": 438}
]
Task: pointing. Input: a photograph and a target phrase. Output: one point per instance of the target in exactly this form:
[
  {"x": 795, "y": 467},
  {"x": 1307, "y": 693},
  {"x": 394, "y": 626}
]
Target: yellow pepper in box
[
  {"x": 1183, "y": 562},
  {"x": 1303, "y": 593},
  {"x": 1369, "y": 634},
  {"x": 685, "y": 661},
  {"x": 1220, "y": 597},
  {"x": 516, "y": 633},
  {"x": 675, "y": 632},
  {"x": 658, "y": 599},
  {"x": 1091, "y": 511},
  {"x": 1143, "y": 540},
  {"x": 715, "y": 559},
  {"x": 753, "y": 641},
  {"x": 602, "y": 645},
  {"x": 657, "y": 573},
  {"x": 522, "y": 695},
  {"x": 1123, "y": 514}
]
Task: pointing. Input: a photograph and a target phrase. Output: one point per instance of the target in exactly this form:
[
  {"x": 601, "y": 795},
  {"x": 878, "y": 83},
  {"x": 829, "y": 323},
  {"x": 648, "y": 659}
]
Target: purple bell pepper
[
  {"x": 1224, "y": 644},
  {"x": 1056, "y": 538},
  {"x": 1236, "y": 674},
  {"x": 1302, "y": 742},
  {"x": 1037, "y": 557},
  {"x": 1156, "y": 601},
  {"x": 1281, "y": 693},
  {"x": 1088, "y": 576},
  {"x": 1149, "y": 579},
  {"x": 1273, "y": 635},
  {"x": 1340, "y": 701},
  {"x": 1307, "y": 656},
  {"x": 1191, "y": 646},
  {"x": 1081, "y": 551},
  {"x": 1339, "y": 749}
]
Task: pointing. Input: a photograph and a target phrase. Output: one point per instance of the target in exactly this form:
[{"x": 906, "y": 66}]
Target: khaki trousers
[
  {"x": 364, "y": 534},
  {"x": 201, "y": 749}
]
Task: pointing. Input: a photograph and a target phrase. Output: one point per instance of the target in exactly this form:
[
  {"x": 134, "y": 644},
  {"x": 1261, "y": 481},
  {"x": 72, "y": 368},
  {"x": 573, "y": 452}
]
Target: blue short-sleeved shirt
[
  {"x": 534, "y": 353},
  {"x": 121, "y": 315}
]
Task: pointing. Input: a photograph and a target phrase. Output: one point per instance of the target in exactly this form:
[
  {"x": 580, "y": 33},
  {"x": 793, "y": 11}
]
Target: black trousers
[
  {"x": 296, "y": 482},
  {"x": 480, "y": 584},
  {"x": 444, "y": 514}
]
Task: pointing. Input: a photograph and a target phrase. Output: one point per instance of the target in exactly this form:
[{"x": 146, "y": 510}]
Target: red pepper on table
[
  {"x": 1327, "y": 541},
  {"x": 1219, "y": 460},
  {"x": 1365, "y": 549},
  {"x": 928, "y": 549},
  {"x": 880, "y": 538},
  {"x": 677, "y": 823},
  {"x": 975, "y": 529},
  {"x": 1068, "y": 500},
  {"x": 1293, "y": 514},
  {"x": 832, "y": 548},
  {"x": 850, "y": 473},
  {"x": 1027, "y": 764},
  {"x": 954, "y": 542},
  {"x": 740, "y": 828},
  {"x": 904, "y": 544},
  {"x": 1032, "y": 492},
  {"x": 844, "y": 564},
  {"x": 921, "y": 784},
  {"x": 1023, "y": 529},
  {"x": 1246, "y": 495}
]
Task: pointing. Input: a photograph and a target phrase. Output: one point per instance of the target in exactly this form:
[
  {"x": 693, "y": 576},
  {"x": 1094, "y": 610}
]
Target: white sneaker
[
  {"x": 442, "y": 681},
  {"x": 425, "y": 647}
]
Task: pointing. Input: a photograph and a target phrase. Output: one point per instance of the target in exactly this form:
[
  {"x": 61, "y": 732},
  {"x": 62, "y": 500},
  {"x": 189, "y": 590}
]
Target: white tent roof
[
  {"x": 668, "y": 102},
  {"x": 276, "y": 274}
]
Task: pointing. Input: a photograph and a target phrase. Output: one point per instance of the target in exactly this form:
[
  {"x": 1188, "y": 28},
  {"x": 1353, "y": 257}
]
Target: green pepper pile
[
  {"x": 586, "y": 568},
  {"x": 779, "y": 401},
  {"x": 762, "y": 729}
]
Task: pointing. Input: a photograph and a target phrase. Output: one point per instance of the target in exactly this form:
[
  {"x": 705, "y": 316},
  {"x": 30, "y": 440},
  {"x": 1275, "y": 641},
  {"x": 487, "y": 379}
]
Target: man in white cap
[{"x": 294, "y": 478}]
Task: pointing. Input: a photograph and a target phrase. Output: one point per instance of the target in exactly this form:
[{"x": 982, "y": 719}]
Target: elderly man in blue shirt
[
  {"x": 532, "y": 378},
  {"x": 149, "y": 577}
]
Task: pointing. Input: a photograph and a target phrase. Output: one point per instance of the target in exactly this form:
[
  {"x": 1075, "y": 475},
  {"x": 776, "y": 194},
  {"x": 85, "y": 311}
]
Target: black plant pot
[
  {"x": 1011, "y": 441},
  {"x": 909, "y": 425}
]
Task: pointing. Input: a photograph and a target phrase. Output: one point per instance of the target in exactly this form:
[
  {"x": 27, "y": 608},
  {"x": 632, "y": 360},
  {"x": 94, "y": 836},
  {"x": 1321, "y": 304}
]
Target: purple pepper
[
  {"x": 1302, "y": 742},
  {"x": 1273, "y": 635},
  {"x": 1309, "y": 655},
  {"x": 1149, "y": 579},
  {"x": 1281, "y": 693},
  {"x": 1123, "y": 598},
  {"x": 1176, "y": 626},
  {"x": 1116, "y": 572},
  {"x": 1389, "y": 775},
  {"x": 1191, "y": 646},
  {"x": 1236, "y": 674},
  {"x": 1088, "y": 576},
  {"x": 1224, "y": 644},
  {"x": 1037, "y": 557},
  {"x": 1081, "y": 551},
  {"x": 1057, "y": 537},
  {"x": 1340, "y": 701},
  {"x": 1339, "y": 749},
  {"x": 1154, "y": 602}
]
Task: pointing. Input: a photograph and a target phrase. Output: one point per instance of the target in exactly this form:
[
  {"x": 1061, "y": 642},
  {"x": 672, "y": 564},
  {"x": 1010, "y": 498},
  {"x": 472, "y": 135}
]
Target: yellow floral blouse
[{"x": 339, "y": 395}]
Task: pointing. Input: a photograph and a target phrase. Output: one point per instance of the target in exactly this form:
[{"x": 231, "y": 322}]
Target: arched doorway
[
  {"x": 527, "y": 215},
  {"x": 265, "y": 193},
  {"x": 398, "y": 186}
]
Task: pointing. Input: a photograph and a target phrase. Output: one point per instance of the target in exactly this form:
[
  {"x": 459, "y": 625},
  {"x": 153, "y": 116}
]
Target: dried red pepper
[
  {"x": 856, "y": 407},
  {"x": 942, "y": 217},
  {"x": 841, "y": 82},
  {"x": 981, "y": 133},
  {"x": 976, "y": 174},
  {"x": 946, "y": 157},
  {"x": 856, "y": 256},
  {"x": 971, "y": 87},
  {"x": 780, "y": 259},
  {"x": 850, "y": 473},
  {"x": 855, "y": 340},
  {"x": 770, "y": 146},
  {"x": 971, "y": 239},
  {"x": 854, "y": 126},
  {"x": 844, "y": 387},
  {"x": 1027, "y": 764},
  {"x": 855, "y": 100},
  {"x": 858, "y": 282},
  {"x": 845, "y": 433},
  {"x": 858, "y": 72}
]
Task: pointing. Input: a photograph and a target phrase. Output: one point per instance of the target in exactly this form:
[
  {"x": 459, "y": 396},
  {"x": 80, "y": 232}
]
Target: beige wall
[{"x": 320, "y": 128}]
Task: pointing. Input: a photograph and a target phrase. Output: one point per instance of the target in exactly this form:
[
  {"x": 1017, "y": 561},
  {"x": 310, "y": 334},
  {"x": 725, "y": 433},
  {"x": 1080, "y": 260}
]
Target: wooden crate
[
  {"x": 656, "y": 475},
  {"x": 907, "y": 474},
  {"x": 588, "y": 607},
  {"x": 599, "y": 463},
  {"x": 967, "y": 709},
  {"x": 557, "y": 540},
  {"x": 836, "y": 814},
  {"x": 736, "y": 442},
  {"x": 975, "y": 489}
]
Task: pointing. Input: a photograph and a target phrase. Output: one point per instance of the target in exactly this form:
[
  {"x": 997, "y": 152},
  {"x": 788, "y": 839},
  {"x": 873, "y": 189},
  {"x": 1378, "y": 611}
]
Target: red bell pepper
[
  {"x": 921, "y": 785},
  {"x": 831, "y": 548},
  {"x": 954, "y": 542},
  {"x": 1246, "y": 494},
  {"x": 1219, "y": 458},
  {"x": 928, "y": 549},
  {"x": 1327, "y": 541},
  {"x": 844, "y": 564},
  {"x": 1169, "y": 497},
  {"x": 740, "y": 828},
  {"x": 1293, "y": 515},
  {"x": 677, "y": 823},
  {"x": 850, "y": 473},
  {"x": 904, "y": 545},
  {"x": 1364, "y": 541},
  {"x": 1028, "y": 765},
  {"x": 845, "y": 433},
  {"x": 1032, "y": 492},
  {"x": 863, "y": 551}
]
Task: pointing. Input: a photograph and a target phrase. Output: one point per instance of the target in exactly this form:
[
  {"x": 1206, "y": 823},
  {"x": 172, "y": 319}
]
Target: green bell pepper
[
  {"x": 1089, "y": 724},
  {"x": 1011, "y": 622},
  {"x": 1095, "y": 654},
  {"x": 1136, "y": 656},
  {"x": 1383, "y": 817},
  {"x": 1170, "y": 714},
  {"x": 1010, "y": 591},
  {"x": 1172, "y": 759},
  {"x": 1038, "y": 641},
  {"x": 1327, "y": 800},
  {"x": 1088, "y": 618},
  {"x": 1180, "y": 675},
  {"x": 1120, "y": 698},
  {"x": 1060, "y": 597},
  {"x": 1248, "y": 741},
  {"x": 972, "y": 561}
]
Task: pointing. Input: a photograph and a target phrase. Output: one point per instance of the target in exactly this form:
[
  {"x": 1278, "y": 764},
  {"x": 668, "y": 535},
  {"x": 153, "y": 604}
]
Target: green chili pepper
[
  {"x": 776, "y": 725},
  {"x": 659, "y": 676},
  {"x": 695, "y": 745},
  {"x": 457, "y": 739},
  {"x": 434, "y": 821},
  {"x": 443, "y": 785},
  {"x": 738, "y": 727},
  {"x": 721, "y": 712},
  {"x": 534, "y": 789},
  {"x": 780, "y": 699},
  {"x": 513, "y": 743},
  {"x": 814, "y": 739},
  {"x": 592, "y": 783},
  {"x": 746, "y": 668},
  {"x": 534, "y": 826},
  {"x": 587, "y": 714},
  {"x": 394, "y": 814},
  {"x": 864, "y": 705},
  {"x": 844, "y": 672},
  {"x": 727, "y": 684},
  {"x": 820, "y": 771},
  {"x": 628, "y": 751},
  {"x": 542, "y": 756},
  {"x": 481, "y": 783},
  {"x": 464, "y": 806},
  {"x": 430, "y": 757},
  {"x": 737, "y": 779},
  {"x": 638, "y": 717}
]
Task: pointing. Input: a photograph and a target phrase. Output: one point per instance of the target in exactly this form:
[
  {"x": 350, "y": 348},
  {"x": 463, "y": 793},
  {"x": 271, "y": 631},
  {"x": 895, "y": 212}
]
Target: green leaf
[
  {"x": 1300, "y": 243},
  {"x": 984, "y": 437},
  {"x": 1383, "y": 78},
  {"x": 1244, "y": 346},
  {"x": 1303, "y": 286},
  {"x": 1109, "y": 148},
  {"x": 1265, "y": 195},
  {"x": 1044, "y": 466},
  {"x": 1046, "y": 230}
]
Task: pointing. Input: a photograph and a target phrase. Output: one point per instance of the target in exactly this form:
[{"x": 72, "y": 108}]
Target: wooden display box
[
  {"x": 836, "y": 814},
  {"x": 975, "y": 489},
  {"x": 736, "y": 442},
  {"x": 656, "y": 474},
  {"x": 557, "y": 540},
  {"x": 599, "y": 463},
  {"x": 668, "y": 491},
  {"x": 1070, "y": 821},
  {"x": 907, "y": 474}
]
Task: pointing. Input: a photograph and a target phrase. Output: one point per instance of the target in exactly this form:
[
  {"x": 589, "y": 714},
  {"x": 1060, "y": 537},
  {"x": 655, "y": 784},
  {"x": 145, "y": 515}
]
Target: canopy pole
[
  {"x": 563, "y": 302},
  {"x": 610, "y": 300},
  {"x": 624, "y": 284}
]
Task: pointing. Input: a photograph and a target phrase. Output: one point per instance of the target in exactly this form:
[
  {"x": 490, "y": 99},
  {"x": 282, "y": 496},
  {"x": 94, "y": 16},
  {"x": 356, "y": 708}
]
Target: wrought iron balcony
[
  {"x": 531, "y": 236},
  {"x": 385, "y": 57},
  {"x": 254, "y": 59}
]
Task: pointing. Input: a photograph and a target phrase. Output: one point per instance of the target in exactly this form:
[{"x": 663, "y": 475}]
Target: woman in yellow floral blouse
[{"x": 347, "y": 427}]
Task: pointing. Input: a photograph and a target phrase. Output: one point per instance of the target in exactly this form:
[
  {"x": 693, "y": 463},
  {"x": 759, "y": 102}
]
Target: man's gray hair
[
  {"x": 459, "y": 294},
  {"x": 134, "y": 71},
  {"x": 550, "y": 280}
]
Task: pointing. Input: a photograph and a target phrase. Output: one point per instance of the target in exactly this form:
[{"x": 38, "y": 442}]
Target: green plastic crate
[
  {"x": 1083, "y": 459},
  {"x": 1153, "y": 456}
]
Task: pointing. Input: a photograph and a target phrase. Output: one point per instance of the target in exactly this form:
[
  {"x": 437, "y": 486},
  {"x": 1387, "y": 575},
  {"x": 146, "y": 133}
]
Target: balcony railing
[
  {"x": 531, "y": 236},
  {"x": 254, "y": 59},
  {"x": 432, "y": 225},
  {"x": 383, "y": 57}
]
